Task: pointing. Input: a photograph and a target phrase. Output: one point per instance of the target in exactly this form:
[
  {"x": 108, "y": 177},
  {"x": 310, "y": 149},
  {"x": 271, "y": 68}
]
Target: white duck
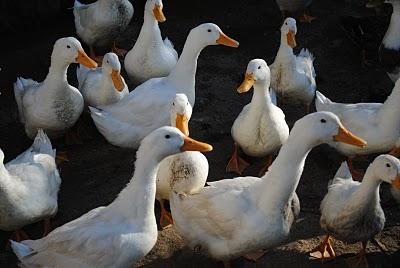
[
  {"x": 146, "y": 108},
  {"x": 185, "y": 172},
  {"x": 29, "y": 187},
  {"x": 52, "y": 105},
  {"x": 293, "y": 77},
  {"x": 260, "y": 129},
  {"x": 235, "y": 216},
  {"x": 151, "y": 56},
  {"x": 351, "y": 210},
  {"x": 99, "y": 23},
  {"x": 103, "y": 85},
  {"x": 377, "y": 123},
  {"x": 121, "y": 233}
]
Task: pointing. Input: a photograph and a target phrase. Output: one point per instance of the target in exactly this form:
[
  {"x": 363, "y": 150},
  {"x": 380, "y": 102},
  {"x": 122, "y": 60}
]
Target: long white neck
[
  {"x": 284, "y": 174},
  {"x": 107, "y": 89},
  {"x": 261, "y": 100},
  {"x": 285, "y": 52},
  {"x": 183, "y": 76},
  {"x": 57, "y": 73},
  {"x": 136, "y": 200},
  {"x": 392, "y": 36},
  {"x": 150, "y": 33},
  {"x": 390, "y": 109}
]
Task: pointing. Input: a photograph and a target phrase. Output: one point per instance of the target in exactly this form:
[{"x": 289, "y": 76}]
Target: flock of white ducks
[{"x": 228, "y": 218}]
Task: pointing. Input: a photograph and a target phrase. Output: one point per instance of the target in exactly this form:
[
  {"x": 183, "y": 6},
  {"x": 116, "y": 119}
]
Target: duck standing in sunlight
[
  {"x": 151, "y": 56},
  {"x": 233, "y": 217},
  {"x": 29, "y": 187},
  {"x": 377, "y": 123},
  {"x": 293, "y": 77},
  {"x": 146, "y": 108},
  {"x": 52, "y": 105},
  {"x": 184, "y": 173},
  {"x": 260, "y": 129},
  {"x": 351, "y": 210},
  {"x": 296, "y": 6},
  {"x": 121, "y": 233},
  {"x": 103, "y": 85},
  {"x": 99, "y": 24}
]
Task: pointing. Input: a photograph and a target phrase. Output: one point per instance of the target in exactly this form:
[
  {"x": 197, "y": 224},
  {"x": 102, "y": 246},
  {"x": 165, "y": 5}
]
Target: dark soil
[{"x": 97, "y": 171}]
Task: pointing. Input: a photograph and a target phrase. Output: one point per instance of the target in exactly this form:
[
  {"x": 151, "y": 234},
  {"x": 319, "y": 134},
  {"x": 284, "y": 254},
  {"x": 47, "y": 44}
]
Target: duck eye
[
  {"x": 187, "y": 103},
  {"x": 173, "y": 104},
  {"x": 209, "y": 30},
  {"x": 388, "y": 165},
  {"x": 107, "y": 61},
  {"x": 259, "y": 67},
  {"x": 323, "y": 120},
  {"x": 167, "y": 136},
  {"x": 68, "y": 46}
]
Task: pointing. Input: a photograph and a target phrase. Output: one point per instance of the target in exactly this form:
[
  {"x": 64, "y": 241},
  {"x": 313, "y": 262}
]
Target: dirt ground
[{"x": 97, "y": 171}]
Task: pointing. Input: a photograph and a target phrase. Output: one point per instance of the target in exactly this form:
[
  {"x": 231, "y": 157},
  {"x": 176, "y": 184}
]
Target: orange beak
[
  {"x": 227, "y": 41},
  {"x": 395, "y": 152},
  {"x": 182, "y": 123},
  {"x": 346, "y": 136},
  {"x": 247, "y": 83},
  {"x": 396, "y": 183},
  {"x": 190, "y": 144},
  {"x": 117, "y": 80},
  {"x": 291, "y": 39},
  {"x": 158, "y": 13},
  {"x": 84, "y": 59}
]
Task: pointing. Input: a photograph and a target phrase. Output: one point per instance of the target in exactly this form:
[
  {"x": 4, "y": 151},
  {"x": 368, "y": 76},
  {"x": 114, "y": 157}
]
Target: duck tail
[
  {"x": 19, "y": 93},
  {"x": 42, "y": 144},
  {"x": 321, "y": 101},
  {"x": 21, "y": 250},
  {"x": 170, "y": 46},
  {"x": 343, "y": 173}
]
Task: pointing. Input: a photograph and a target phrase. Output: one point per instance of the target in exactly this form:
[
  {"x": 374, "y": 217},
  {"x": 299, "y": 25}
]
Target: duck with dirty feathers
[
  {"x": 351, "y": 210},
  {"x": 233, "y": 217},
  {"x": 117, "y": 235},
  {"x": 151, "y": 56}
]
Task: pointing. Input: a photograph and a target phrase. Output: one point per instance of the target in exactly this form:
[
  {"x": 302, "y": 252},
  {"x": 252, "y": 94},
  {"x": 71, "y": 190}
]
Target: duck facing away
[
  {"x": 260, "y": 129},
  {"x": 29, "y": 187},
  {"x": 351, "y": 210},
  {"x": 184, "y": 173},
  {"x": 121, "y": 233},
  {"x": 377, "y": 123},
  {"x": 293, "y": 77},
  {"x": 99, "y": 23},
  {"x": 52, "y": 105},
  {"x": 146, "y": 108},
  {"x": 151, "y": 56},
  {"x": 232, "y": 217},
  {"x": 103, "y": 85}
]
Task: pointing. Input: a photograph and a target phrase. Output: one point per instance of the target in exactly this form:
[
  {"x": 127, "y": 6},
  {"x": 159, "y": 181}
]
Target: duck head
[
  {"x": 387, "y": 168},
  {"x": 112, "y": 67},
  {"x": 289, "y": 31},
  {"x": 210, "y": 34},
  {"x": 69, "y": 50},
  {"x": 166, "y": 141},
  {"x": 181, "y": 111},
  {"x": 154, "y": 8},
  {"x": 257, "y": 72}
]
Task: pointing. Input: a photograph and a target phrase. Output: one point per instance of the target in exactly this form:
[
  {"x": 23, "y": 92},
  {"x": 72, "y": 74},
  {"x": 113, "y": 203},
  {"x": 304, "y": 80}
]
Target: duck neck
[
  {"x": 392, "y": 36},
  {"x": 150, "y": 32},
  {"x": 285, "y": 52},
  {"x": 391, "y": 109},
  {"x": 184, "y": 74},
  {"x": 285, "y": 172},
  {"x": 261, "y": 99},
  {"x": 136, "y": 200},
  {"x": 57, "y": 73},
  {"x": 107, "y": 88},
  {"x": 4, "y": 178}
]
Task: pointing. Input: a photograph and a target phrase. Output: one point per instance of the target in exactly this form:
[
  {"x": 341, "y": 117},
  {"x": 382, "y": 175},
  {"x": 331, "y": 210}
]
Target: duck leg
[
  {"x": 61, "y": 156},
  {"x": 254, "y": 256},
  {"x": 236, "y": 163},
  {"x": 264, "y": 169},
  {"x": 306, "y": 17},
  {"x": 46, "y": 226},
  {"x": 19, "y": 235},
  {"x": 324, "y": 250},
  {"x": 356, "y": 173},
  {"x": 165, "y": 217},
  {"x": 359, "y": 261},
  {"x": 119, "y": 51},
  {"x": 379, "y": 245}
]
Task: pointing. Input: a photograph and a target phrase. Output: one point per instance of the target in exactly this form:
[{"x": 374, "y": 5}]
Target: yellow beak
[
  {"x": 346, "y": 136},
  {"x": 291, "y": 39},
  {"x": 117, "y": 80},
  {"x": 182, "y": 123},
  {"x": 227, "y": 41},
  {"x": 193, "y": 145},
  {"x": 247, "y": 83},
  {"x": 396, "y": 182},
  {"x": 84, "y": 59},
  {"x": 158, "y": 13}
]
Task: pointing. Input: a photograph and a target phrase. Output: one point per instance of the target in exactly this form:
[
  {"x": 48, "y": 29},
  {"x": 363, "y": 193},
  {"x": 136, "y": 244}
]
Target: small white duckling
[
  {"x": 52, "y": 105},
  {"x": 184, "y": 173},
  {"x": 99, "y": 23},
  {"x": 103, "y": 85},
  {"x": 117, "y": 235},
  {"x": 293, "y": 77},
  {"x": 29, "y": 187},
  {"x": 151, "y": 57},
  {"x": 351, "y": 210},
  {"x": 260, "y": 129}
]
